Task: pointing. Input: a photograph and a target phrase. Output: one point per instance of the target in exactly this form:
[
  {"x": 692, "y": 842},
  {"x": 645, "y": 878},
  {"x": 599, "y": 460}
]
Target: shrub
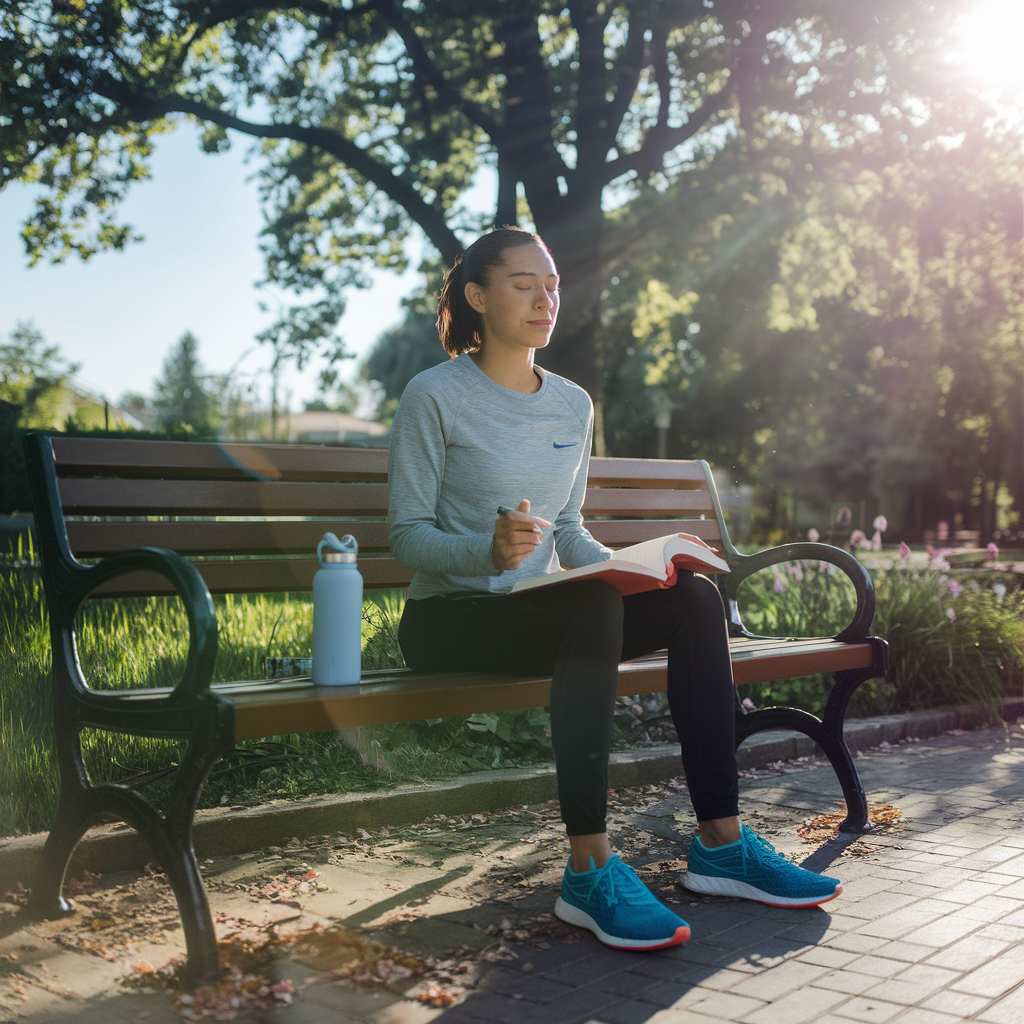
[{"x": 952, "y": 638}]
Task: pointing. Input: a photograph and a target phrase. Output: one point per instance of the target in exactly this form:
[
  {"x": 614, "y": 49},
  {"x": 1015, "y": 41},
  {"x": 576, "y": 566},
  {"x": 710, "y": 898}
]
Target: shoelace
[
  {"x": 761, "y": 851},
  {"x": 629, "y": 886}
]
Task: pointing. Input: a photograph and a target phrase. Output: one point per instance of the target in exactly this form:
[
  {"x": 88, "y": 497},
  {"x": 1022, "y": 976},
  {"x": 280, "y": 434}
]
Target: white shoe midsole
[
  {"x": 713, "y": 886},
  {"x": 573, "y": 915}
]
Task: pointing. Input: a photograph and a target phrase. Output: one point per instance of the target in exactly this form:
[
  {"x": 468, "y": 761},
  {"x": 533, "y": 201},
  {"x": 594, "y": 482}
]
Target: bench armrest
[
  {"x": 202, "y": 620},
  {"x": 745, "y": 565}
]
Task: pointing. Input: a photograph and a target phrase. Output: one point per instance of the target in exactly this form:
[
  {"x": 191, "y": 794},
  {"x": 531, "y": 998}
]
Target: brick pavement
[{"x": 928, "y": 929}]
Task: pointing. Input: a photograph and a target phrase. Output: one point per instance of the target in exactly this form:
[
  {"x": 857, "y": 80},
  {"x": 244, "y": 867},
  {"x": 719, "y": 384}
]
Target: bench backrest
[{"x": 250, "y": 515}]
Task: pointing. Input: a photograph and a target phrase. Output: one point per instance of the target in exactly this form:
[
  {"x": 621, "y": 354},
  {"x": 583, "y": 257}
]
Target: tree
[
  {"x": 403, "y": 351},
  {"x": 181, "y": 396},
  {"x": 604, "y": 122},
  {"x": 32, "y": 395},
  {"x": 33, "y": 376}
]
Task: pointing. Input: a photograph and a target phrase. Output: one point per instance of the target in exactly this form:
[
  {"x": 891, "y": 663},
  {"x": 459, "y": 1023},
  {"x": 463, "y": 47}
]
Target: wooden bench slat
[
  {"x": 645, "y": 504},
  {"x": 90, "y": 539},
  {"x": 408, "y": 697},
  {"x": 94, "y": 539},
  {"x": 76, "y": 456},
  {"x": 651, "y": 473},
  {"x": 616, "y": 533},
  {"x": 94, "y": 496},
  {"x": 218, "y": 497},
  {"x": 192, "y": 460}
]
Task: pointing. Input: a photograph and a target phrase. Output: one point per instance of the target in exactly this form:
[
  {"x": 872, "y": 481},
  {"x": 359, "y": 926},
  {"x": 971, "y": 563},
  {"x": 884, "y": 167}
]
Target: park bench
[{"x": 195, "y": 519}]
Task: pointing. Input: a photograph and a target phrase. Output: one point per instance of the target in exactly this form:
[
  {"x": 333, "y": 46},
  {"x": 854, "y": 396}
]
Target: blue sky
[{"x": 119, "y": 313}]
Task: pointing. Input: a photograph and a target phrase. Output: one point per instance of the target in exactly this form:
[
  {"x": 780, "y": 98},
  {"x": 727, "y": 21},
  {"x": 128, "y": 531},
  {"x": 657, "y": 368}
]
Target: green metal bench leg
[
  {"x": 169, "y": 835},
  {"x": 171, "y": 843},
  {"x": 827, "y": 733}
]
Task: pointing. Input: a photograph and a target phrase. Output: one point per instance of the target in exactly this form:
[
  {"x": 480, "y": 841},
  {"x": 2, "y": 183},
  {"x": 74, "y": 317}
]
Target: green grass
[{"x": 143, "y": 642}]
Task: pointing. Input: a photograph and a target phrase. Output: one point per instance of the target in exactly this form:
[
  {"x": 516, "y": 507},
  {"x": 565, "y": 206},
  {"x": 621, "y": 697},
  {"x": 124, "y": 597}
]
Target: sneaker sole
[
  {"x": 573, "y": 915},
  {"x": 713, "y": 886}
]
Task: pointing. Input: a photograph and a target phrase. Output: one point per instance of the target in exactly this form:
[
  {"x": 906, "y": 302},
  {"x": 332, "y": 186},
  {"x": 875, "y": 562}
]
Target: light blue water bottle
[{"x": 337, "y": 613}]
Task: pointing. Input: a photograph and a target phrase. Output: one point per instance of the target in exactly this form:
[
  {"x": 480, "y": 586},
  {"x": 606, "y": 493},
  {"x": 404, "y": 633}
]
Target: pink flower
[
  {"x": 881, "y": 524},
  {"x": 813, "y": 535},
  {"x": 951, "y": 615},
  {"x": 844, "y": 516},
  {"x": 857, "y": 537},
  {"x": 954, "y": 588},
  {"x": 749, "y": 704},
  {"x": 904, "y": 550},
  {"x": 876, "y": 540},
  {"x": 993, "y": 551},
  {"x": 780, "y": 583}
]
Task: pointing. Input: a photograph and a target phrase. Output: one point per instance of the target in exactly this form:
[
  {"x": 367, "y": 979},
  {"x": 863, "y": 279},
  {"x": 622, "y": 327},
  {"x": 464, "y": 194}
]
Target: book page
[{"x": 654, "y": 554}]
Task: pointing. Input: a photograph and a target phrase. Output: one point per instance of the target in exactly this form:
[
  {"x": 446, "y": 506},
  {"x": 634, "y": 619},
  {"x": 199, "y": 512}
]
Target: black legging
[{"x": 579, "y": 632}]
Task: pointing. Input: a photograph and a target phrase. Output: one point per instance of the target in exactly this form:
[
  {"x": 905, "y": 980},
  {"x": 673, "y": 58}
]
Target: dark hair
[{"x": 458, "y": 323}]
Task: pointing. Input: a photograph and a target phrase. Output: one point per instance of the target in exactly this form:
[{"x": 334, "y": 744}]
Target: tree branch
[
  {"x": 656, "y": 145},
  {"x": 426, "y": 70},
  {"x": 431, "y": 74},
  {"x": 429, "y": 218}
]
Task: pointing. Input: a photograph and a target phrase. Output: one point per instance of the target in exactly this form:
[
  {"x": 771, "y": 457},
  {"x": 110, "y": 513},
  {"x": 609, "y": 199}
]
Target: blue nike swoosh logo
[{"x": 557, "y": 445}]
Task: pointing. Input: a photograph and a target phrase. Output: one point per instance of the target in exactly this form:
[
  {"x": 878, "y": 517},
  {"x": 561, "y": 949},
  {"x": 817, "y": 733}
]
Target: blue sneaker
[
  {"x": 618, "y": 908},
  {"x": 751, "y": 868}
]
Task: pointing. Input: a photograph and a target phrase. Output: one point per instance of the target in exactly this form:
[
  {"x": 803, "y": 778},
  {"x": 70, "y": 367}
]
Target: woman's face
[{"x": 519, "y": 303}]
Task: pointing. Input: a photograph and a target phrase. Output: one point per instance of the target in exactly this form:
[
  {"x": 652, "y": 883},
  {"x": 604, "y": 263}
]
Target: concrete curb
[{"x": 219, "y": 832}]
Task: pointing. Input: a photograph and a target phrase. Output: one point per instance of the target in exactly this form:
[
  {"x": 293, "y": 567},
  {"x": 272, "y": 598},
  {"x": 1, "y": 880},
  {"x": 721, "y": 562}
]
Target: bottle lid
[
  {"x": 338, "y": 556},
  {"x": 330, "y": 549}
]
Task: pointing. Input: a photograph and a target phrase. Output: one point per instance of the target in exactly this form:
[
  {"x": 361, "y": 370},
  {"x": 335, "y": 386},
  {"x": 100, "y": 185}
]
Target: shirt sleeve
[
  {"x": 416, "y": 459},
  {"x": 573, "y": 541}
]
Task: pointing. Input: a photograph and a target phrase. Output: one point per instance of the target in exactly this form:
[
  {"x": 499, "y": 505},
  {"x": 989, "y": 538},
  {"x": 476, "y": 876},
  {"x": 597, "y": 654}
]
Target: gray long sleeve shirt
[{"x": 461, "y": 445}]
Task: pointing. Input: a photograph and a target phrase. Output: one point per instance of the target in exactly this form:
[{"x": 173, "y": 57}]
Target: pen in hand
[{"x": 516, "y": 535}]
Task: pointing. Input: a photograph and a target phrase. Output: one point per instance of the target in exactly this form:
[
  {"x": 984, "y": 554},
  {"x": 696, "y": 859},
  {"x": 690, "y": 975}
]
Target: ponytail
[{"x": 458, "y": 323}]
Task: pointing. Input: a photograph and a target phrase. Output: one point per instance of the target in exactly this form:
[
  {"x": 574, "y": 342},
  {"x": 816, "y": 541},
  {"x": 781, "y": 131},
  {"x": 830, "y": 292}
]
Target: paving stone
[
  {"x": 825, "y": 956},
  {"x": 536, "y": 990},
  {"x": 873, "y": 1011},
  {"x": 857, "y": 943},
  {"x": 894, "y": 990},
  {"x": 968, "y": 953},
  {"x": 936, "y": 977},
  {"x": 627, "y": 1011},
  {"x": 781, "y": 979},
  {"x": 990, "y": 908},
  {"x": 942, "y": 932},
  {"x": 728, "y": 1006},
  {"x": 907, "y": 951},
  {"x": 850, "y": 982},
  {"x": 920, "y": 1015},
  {"x": 1009, "y": 1010},
  {"x": 1003, "y": 932},
  {"x": 877, "y": 966},
  {"x": 995, "y": 977},
  {"x": 896, "y": 926},
  {"x": 796, "y": 1008},
  {"x": 673, "y": 994},
  {"x": 625, "y": 983}
]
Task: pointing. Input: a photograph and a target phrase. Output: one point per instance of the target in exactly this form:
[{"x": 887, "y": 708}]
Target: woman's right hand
[{"x": 516, "y": 535}]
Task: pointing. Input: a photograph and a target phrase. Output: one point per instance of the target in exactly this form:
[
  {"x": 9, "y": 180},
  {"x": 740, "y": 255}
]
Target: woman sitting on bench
[{"x": 486, "y": 429}]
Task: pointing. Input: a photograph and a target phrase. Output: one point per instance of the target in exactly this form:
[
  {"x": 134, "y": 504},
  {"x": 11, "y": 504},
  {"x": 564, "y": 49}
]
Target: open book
[{"x": 639, "y": 567}]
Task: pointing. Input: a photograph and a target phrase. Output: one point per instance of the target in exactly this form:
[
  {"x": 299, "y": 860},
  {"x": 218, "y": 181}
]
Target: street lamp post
[{"x": 662, "y": 420}]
